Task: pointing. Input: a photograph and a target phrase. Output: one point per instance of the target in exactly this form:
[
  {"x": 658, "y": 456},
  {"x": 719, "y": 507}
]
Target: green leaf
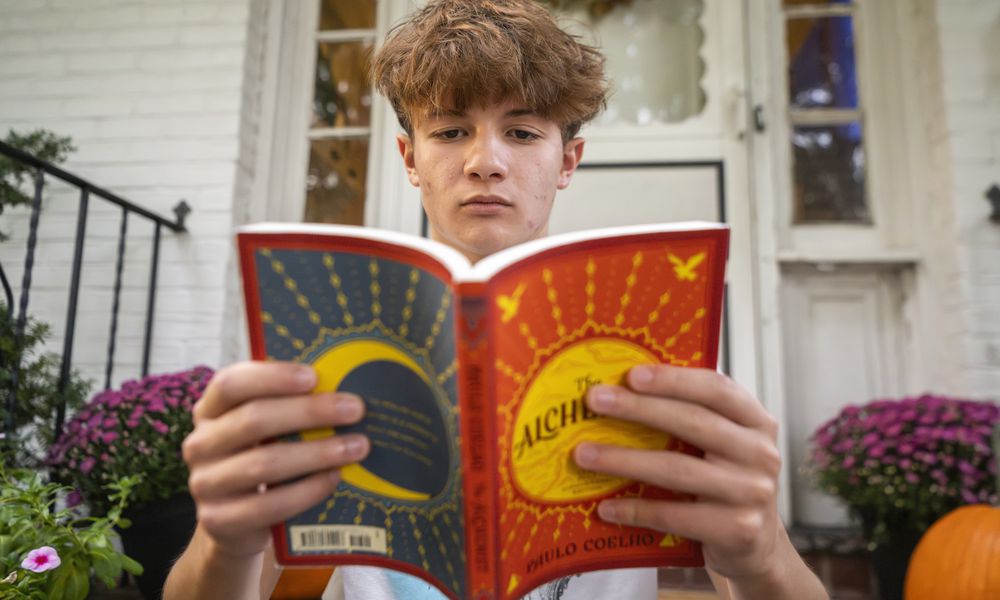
[
  {"x": 57, "y": 586},
  {"x": 79, "y": 584},
  {"x": 131, "y": 565},
  {"x": 107, "y": 565}
]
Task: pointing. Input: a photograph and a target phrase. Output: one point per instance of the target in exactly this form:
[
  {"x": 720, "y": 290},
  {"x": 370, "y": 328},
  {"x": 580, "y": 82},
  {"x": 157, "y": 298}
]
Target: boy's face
[{"x": 488, "y": 176}]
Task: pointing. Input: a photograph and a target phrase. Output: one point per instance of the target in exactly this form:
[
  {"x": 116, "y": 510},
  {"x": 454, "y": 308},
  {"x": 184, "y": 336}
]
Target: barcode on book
[{"x": 338, "y": 537}]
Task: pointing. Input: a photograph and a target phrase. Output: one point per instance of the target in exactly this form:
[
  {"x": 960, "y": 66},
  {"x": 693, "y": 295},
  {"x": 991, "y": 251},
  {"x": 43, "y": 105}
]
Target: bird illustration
[
  {"x": 510, "y": 304},
  {"x": 685, "y": 270}
]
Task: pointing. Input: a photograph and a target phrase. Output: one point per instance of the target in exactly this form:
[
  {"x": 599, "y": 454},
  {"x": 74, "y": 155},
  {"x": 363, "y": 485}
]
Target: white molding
[
  {"x": 809, "y": 11},
  {"x": 765, "y": 180},
  {"x": 824, "y": 116},
  {"x": 345, "y": 35},
  {"x": 338, "y": 133},
  {"x": 392, "y": 202},
  {"x": 258, "y": 210},
  {"x": 849, "y": 256},
  {"x": 283, "y": 152}
]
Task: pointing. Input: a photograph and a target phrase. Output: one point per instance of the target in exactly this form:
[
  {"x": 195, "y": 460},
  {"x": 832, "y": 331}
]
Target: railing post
[
  {"x": 22, "y": 315},
  {"x": 117, "y": 295},
  {"x": 151, "y": 299},
  {"x": 74, "y": 293}
]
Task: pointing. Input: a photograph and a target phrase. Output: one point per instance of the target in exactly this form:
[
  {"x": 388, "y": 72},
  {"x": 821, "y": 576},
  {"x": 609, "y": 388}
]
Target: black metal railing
[{"x": 41, "y": 170}]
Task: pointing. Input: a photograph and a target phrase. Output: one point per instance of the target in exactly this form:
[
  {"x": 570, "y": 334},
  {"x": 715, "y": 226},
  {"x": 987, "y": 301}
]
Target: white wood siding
[{"x": 151, "y": 93}]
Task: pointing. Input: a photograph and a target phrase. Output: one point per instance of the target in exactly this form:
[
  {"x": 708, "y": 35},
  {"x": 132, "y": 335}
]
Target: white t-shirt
[{"x": 371, "y": 583}]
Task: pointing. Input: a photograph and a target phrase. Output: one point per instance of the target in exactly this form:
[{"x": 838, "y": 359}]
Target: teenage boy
[{"x": 491, "y": 95}]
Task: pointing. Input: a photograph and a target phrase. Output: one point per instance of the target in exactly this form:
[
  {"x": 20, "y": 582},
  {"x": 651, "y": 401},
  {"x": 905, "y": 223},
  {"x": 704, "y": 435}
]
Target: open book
[{"x": 474, "y": 380}]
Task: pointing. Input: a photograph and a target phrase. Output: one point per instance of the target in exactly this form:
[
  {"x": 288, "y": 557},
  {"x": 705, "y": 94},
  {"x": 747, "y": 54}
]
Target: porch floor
[{"x": 846, "y": 577}]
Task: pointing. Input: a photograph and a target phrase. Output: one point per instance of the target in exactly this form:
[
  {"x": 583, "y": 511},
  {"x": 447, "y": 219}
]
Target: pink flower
[
  {"x": 161, "y": 427},
  {"x": 41, "y": 559},
  {"x": 74, "y": 498},
  {"x": 87, "y": 465}
]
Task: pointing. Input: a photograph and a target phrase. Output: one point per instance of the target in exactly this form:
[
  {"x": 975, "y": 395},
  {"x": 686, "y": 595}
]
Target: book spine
[{"x": 477, "y": 412}]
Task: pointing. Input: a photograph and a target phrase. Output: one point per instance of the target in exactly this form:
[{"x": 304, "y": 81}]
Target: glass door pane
[
  {"x": 340, "y": 131},
  {"x": 825, "y": 114}
]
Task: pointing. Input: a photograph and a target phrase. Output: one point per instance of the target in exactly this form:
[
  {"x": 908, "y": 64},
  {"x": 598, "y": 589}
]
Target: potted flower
[
  {"x": 138, "y": 429},
  {"x": 50, "y": 551},
  {"x": 899, "y": 465}
]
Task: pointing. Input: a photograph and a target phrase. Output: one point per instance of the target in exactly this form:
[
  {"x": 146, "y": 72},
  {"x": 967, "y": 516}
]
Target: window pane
[
  {"x": 821, "y": 66},
  {"x": 342, "y": 94},
  {"x": 829, "y": 174},
  {"x": 335, "y": 185},
  {"x": 347, "y": 14},
  {"x": 636, "y": 36}
]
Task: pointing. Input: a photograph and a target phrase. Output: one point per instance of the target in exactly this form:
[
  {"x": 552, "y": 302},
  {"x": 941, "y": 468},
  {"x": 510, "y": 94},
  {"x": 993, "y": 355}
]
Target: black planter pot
[
  {"x": 159, "y": 533},
  {"x": 889, "y": 562}
]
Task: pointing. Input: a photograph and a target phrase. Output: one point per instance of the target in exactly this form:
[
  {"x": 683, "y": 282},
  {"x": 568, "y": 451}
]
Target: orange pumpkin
[{"x": 958, "y": 558}]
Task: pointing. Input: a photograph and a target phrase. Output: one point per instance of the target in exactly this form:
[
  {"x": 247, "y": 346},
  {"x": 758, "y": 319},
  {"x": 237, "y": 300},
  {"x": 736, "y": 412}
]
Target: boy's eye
[
  {"x": 449, "y": 134},
  {"x": 523, "y": 134}
]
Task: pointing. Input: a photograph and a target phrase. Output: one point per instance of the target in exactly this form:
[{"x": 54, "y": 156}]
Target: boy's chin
[{"x": 476, "y": 249}]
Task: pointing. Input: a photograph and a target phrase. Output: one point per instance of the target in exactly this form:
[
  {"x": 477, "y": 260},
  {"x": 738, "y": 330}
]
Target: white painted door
[{"x": 835, "y": 249}]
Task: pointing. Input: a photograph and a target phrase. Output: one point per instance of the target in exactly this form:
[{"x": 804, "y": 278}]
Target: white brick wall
[
  {"x": 151, "y": 91},
  {"x": 964, "y": 130}
]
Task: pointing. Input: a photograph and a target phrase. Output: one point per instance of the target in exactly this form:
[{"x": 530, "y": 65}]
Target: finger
[
  {"x": 678, "y": 472},
  {"x": 266, "y": 418},
  {"x": 712, "y": 524},
  {"x": 238, "y": 515},
  {"x": 275, "y": 463},
  {"x": 243, "y": 381},
  {"x": 693, "y": 423},
  {"x": 708, "y": 388}
]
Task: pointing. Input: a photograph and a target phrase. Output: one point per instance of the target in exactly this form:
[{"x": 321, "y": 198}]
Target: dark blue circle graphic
[{"x": 409, "y": 438}]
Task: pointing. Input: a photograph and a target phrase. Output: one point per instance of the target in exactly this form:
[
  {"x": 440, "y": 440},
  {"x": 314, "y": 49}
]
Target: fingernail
[
  {"x": 642, "y": 374},
  {"x": 305, "y": 376},
  {"x": 586, "y": 454},
  {"x": 355, "y": 447},
  {"x": 602, "y": 398},
  {"x": 607, "y": 511},
  {"x": 348, "y": 408}
]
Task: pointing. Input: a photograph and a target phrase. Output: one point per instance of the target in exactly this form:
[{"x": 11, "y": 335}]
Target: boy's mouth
[{"x": 486, "y": 201}]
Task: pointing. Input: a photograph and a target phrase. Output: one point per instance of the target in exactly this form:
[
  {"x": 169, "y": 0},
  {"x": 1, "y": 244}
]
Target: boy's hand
[
  {"x": 735, "y": 515},
  {"x": 246, "y": 404}
]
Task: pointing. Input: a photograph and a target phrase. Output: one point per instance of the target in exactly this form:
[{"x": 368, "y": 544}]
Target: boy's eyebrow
[
  {"x": 444, "y": 112},
  {"x": 521, "y": 112}
]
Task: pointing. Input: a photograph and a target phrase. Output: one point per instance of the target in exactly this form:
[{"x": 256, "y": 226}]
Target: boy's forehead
[{"x": 505, "y": 108}]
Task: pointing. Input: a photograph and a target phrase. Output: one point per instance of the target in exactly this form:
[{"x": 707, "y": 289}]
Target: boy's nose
[{"x": 486, "y": 160}]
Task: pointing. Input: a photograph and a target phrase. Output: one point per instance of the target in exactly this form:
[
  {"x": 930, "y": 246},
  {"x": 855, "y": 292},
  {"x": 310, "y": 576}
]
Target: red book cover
[{"x": 474, "y": 380}]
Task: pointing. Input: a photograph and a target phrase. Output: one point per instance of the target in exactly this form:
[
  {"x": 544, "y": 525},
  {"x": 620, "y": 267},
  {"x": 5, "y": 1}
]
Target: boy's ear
[
  {"x": 572, "y": 154},
  {"x": 405, "y": 144}
]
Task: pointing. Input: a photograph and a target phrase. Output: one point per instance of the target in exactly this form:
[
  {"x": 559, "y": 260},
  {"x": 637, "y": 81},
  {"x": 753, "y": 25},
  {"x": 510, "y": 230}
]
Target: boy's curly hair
[{"x": 453, "y": 54}]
